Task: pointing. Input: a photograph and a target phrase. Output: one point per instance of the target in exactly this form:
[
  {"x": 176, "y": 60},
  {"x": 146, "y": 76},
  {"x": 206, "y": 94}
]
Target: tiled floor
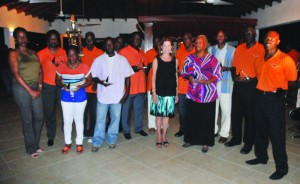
[{"x": 135, "y": 161}]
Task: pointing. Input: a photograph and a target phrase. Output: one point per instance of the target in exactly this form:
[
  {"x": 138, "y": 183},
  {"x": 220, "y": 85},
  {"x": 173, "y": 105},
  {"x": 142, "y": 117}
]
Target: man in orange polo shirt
[
  {"x": 277, "y": 71},
  {"x": 184, "y": 50},
  {"x": 90, "y": 53},
  {"x": 246, "y": 64},
  {"x": 136, "y": 58},
  {"x": 150, "y": 55},
  {"x": 50, "y": 57}
]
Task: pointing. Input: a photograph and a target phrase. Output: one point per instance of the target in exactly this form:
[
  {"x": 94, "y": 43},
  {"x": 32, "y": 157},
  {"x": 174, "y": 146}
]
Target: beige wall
[
  {"x": 280, "y": 13},
  {"x": 11, "y": 19}
]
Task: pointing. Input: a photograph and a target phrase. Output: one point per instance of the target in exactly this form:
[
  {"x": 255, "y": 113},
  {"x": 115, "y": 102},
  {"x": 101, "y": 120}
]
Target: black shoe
[
  {"x": 231, "y": 143},
  {"x": 142, "y": 133},
  {"x": 127, "y": 136},
  {"x": 179, "y": 134},
  {"x": 186, "y": 145},
  {"x": 246, "y": 149},
  {"x": 50, "y": 142},
  {"x": 256, "y": 161},
  {"x": 277, "y": 175}
]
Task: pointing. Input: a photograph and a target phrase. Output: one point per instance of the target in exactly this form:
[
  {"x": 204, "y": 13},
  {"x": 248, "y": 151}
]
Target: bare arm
[
  {"x": 127, "y": 88},
  {"x": 88, "y": 81},
  {"x": 154, "y": 69},
  {"x": 58, "y": 82},
  {"x": 13, "y": 62},
  {"x": 41, "y": 76},
  {"x": 176, "y": 97}
]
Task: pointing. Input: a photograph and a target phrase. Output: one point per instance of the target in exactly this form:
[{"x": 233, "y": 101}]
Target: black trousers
[
  {"x": 270, "y": 124},
  {"x": 51, "y": 96},
  {"x": 243, "y": 103},
  {"x": 90, "y": 115}
]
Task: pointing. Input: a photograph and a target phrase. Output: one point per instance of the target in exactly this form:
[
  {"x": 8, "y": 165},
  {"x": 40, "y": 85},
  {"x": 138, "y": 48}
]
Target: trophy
[{"x": 74, "y": 36}]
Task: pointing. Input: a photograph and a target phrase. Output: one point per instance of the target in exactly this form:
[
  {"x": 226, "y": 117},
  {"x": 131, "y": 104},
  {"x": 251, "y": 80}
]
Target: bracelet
[{"x": 153, "y": 90}]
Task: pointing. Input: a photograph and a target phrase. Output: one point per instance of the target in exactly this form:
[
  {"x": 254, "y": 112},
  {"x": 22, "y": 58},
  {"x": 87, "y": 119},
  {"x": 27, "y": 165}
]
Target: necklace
[{"x": 72, "y": 67}]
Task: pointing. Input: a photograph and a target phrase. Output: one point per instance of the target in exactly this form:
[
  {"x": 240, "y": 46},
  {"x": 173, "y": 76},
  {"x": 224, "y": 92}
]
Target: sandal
[
  {"x": 66, "y": 148},
  {"x": 79, "y": 149},
  {"x": 34, "y": 155},
  {"x": 166, "y": 143},
  {"x": 159, "y": 145}
]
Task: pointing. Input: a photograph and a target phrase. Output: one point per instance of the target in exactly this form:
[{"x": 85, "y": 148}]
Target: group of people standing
[{"x": 247, "y": 82}]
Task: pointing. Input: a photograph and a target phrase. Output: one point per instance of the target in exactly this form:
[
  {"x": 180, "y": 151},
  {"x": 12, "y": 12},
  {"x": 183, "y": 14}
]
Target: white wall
[
  {"x": 107, "y": 28},
  {"x": 11, "y": 19},
  {"x": 287, "y": 11}
]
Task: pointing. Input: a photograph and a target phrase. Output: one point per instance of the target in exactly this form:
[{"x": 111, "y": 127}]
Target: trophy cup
[{"x": 74, "y": 36}]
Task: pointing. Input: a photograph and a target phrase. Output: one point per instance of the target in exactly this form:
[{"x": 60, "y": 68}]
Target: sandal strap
[
  {"x": 66, "y": 147},
  {"x": 79, "y": 148}
]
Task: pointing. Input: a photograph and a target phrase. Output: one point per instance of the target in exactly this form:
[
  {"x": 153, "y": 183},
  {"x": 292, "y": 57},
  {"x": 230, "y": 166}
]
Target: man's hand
[
  {"x": 224, "y": 68},
  {"x": 94, "y": 86},
  {"x": 136, "y": 68},
  {"x": 124, "y": 98}
]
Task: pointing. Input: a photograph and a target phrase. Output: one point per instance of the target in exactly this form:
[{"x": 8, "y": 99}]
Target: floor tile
[
  {"x": 201, "y": 176},
  {"x": 123, "y": 168},
  {"x": 174, "y": 169},
  {"x": 150, "y": 157},
  {"x": 147, "y": 177}
]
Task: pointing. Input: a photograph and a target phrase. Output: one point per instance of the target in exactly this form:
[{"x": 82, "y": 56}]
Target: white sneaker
[{"x": 90, "y": 140}]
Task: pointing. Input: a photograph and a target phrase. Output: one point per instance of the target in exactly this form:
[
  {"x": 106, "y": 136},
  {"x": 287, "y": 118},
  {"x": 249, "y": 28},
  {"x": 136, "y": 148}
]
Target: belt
[
  {"x": 245, "y": 80},
  {"x": 267, "y": 92}
]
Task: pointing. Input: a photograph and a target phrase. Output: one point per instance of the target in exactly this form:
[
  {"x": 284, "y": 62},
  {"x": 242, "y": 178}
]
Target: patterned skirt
[{"x": 165, "y": 106}]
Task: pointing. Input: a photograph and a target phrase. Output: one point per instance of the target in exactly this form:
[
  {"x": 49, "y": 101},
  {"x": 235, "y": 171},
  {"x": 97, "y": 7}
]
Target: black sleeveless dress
[{"x": 165, "y": 89}]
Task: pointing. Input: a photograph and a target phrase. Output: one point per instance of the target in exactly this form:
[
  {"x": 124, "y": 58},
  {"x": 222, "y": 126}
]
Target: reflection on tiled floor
[{"x": 135, "y": 161}]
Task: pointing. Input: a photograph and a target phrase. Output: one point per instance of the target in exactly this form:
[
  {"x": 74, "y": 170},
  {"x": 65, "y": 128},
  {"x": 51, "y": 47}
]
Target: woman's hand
[
  {"x": 192, "y": 80},
  {"x": 34, "y": 94},
  {"x": 176, "y": 98},
  {"x": 154, "y": 98},
  {"x": 203, "y": 81}
]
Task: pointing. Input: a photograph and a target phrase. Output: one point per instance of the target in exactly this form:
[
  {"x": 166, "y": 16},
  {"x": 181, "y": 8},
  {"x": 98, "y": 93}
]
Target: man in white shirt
[
  {"x": 111, "y": 72},
  {"x": 224, "y": 54}
]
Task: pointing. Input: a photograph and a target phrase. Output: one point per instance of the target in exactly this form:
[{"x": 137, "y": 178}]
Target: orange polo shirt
[
  {"x": 88, "y": 58},
  {"x": 49, "y": 68},
  {"x": 136, "y": 58},
  {"x": 248, "y": 60},
  {"x": 181, "y": 56},
  {"x": 276, "y": 72},
  {"x": 150, "y": 55}
]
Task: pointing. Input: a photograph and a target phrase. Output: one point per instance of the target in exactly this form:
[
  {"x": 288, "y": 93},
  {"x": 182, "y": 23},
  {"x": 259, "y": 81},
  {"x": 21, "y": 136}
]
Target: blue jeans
[
  {"x": 138, "y": 101},
  {"x": 32, "y": 116},
  {"x": 113, "y": 129},
  {"x": 182, "y": 111}
]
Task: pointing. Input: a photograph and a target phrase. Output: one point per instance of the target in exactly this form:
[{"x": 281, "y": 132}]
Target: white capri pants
[{"x": 73, "y": 111}]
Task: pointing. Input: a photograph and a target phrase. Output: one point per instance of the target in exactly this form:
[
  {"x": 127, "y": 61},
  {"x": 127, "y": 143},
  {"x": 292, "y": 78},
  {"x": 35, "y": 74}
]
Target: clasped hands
[
  {"x": 199, "y": 81},
  {"x": 136, "y": 68}
]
